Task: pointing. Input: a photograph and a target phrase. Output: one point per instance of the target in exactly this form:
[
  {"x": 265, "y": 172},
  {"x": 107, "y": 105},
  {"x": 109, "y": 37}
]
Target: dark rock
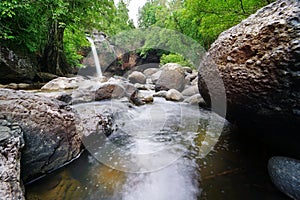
[
  {"x": 259, "y": 61},
  {"x": 137, "y": 77},
  {"x": 109, "y": 91},
  {"x": 67, "y": 98},
  {"x": 171, "y": 77},
  {"x": 51, "y": 130},
  {"x": 11, "y": 143},
  {"x": 285, "y": 174},
  {"x": 15, "y": 68},
  {"x": 135, "y": 99},
  {"x": 45, "y": 77}
]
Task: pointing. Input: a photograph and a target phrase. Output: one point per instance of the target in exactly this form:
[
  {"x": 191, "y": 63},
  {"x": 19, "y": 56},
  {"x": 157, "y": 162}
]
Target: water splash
[{"x": 96, "y": 58}]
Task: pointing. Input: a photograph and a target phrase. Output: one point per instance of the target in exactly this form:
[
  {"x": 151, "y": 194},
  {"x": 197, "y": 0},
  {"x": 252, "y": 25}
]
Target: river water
[{"x": 155, "y": 153}]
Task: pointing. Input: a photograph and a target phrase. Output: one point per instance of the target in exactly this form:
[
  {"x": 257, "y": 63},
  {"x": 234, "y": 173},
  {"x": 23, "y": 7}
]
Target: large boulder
[
  {"x": 171, "y": 77},
  {"x": 285, "y": 174},
  {"x": 259, "y": 62},
  {"x": 15, "y": 68},
  {"x": 51, "y": 130},
  {"x": 11, "y": 142}
]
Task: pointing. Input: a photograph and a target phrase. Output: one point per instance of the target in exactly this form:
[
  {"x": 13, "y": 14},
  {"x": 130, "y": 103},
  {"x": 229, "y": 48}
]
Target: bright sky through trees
[{"x": 133, "y": 7}]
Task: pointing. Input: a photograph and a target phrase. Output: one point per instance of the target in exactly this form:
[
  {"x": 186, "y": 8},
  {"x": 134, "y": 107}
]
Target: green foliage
[
  {"x": 27, "y": 24},
  {"x": 201, "y": 20},
  {"x": 74, "y": 40},
  {"x": 21, "y": 25},
  {"x": 175, "y": 58}
]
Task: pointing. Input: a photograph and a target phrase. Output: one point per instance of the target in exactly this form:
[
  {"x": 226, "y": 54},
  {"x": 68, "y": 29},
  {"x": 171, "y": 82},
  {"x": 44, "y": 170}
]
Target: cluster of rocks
[{"x": 172, "y": 82}]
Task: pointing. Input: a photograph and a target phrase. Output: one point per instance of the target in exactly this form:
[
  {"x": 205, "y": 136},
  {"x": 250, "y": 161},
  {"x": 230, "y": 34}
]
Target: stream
[
  {"x": 152, "y": 154},
  {"x": 157, "y": 152}
]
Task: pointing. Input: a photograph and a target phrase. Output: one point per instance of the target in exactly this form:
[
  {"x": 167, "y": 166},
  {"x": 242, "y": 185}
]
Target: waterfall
[{"x": 96, "y": 58}]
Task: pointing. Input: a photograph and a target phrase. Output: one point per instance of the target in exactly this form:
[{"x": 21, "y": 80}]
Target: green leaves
[
  {"x": 202, "y": 20},
  {"x": 26, "y": 24},
  {"x": 175, "y": 58}
]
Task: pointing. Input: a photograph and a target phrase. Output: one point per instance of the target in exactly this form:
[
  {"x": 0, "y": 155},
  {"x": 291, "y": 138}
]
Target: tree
[
  {"x": 56, "y": 29},
  {"x": 78, "y": 15},
  {"x": 202, "y": 20},
  {"x": 121, "y": 19}
]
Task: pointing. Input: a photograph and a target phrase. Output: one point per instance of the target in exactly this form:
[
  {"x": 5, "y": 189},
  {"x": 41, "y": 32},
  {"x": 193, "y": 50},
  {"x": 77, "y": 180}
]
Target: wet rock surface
[
  {"x": 11, "y": 143},
  {"x": 285, "y": 174},
  {"x": 51, "y": 130},
  {"x": 258, "y": 61}
]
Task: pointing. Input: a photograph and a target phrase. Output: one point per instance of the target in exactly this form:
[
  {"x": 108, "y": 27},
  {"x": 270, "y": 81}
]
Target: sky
[{"x": 133, "y": 7}]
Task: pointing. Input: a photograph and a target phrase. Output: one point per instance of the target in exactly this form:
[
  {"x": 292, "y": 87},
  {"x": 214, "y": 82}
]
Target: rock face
[
  {"x": 259, "y": 62},
  {"x": 171, "y": 77},
  {"x": 11, "y": 142},
  {"x": 51, "y": 130},
  {"x": 285, "y": 174},
  {"x": 15, "y": 68}
]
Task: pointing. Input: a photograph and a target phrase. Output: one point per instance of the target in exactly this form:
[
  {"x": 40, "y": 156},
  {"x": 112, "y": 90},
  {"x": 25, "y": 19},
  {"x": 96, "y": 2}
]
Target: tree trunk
[{"x": 54, "y": 59}]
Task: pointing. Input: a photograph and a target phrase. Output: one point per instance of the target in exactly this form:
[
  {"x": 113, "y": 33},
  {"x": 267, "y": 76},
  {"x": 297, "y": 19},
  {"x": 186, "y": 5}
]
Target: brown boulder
[
  {"x": 259, "y": 62},
  {"x": 171, "y": 77},
  {"x": 51, "y": 130}
]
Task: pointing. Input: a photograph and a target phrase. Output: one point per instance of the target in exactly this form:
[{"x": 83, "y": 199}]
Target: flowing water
[
  {"x": 96, "y": 58},
  {"x": 152, "y": 154},
  {"x": 159, "y": 152}
]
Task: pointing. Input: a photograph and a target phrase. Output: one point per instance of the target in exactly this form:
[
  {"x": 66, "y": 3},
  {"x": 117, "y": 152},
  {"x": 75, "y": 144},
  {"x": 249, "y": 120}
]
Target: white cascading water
[{"x": 96, "y": 58}]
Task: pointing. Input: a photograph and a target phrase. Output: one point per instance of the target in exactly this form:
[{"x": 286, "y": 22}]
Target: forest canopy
[{"x": 55, "y": 30}]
